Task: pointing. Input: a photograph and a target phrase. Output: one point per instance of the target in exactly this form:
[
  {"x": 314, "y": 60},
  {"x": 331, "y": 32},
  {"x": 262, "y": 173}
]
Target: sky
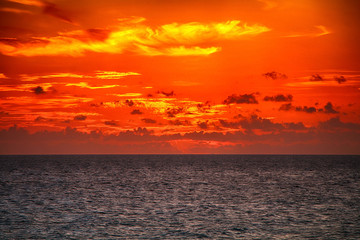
[{"x": 179, "y": 77}]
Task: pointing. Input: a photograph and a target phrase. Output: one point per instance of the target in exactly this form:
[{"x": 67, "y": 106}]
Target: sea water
[{"x": 179, "y": 197}]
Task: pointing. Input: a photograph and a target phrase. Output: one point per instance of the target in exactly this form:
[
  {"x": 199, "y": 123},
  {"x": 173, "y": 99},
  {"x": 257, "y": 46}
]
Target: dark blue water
[{"x": 179, "y": 197}]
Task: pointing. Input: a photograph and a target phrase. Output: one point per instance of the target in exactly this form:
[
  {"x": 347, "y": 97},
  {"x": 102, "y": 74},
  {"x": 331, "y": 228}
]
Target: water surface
[{"x": 179, "y": 197}]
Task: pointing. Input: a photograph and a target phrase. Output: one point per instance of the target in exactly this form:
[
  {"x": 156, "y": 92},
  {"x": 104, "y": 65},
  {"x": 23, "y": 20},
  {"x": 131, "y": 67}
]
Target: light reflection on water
[{"x": 180, "y": 196}]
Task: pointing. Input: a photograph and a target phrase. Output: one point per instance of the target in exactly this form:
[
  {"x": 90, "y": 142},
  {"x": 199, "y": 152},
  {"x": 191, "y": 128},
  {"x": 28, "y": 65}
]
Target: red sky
[{"x": 116, "y": 76}]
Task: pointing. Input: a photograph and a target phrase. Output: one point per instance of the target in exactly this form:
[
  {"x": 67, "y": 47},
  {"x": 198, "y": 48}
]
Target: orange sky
[{"x": 116, "y": 76}]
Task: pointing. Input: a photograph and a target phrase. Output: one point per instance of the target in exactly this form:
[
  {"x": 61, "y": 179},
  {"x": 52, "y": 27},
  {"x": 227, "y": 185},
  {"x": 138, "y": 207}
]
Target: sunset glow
[{"x": 257, "y": 76}]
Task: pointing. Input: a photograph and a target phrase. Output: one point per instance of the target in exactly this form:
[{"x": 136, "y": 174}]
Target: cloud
[
  {"x": 275, "y": 75},
  {"x": 172, "y": 112},
  {"x": 279, "y": 98},
  {"x": 203, "y": 125},
  {"x": 286, "y": 107},
  {"x": 148, "y": 120},
  {"x": 53, "y": 10},
  {"x": 318, "y": 31},
  {"x": 178, "y": 122},
  {"x": 35, "y": 3},
  {"x": 269, "y": 4},
  {"x": 245, "y": 98},
  {"x": 340, "y": 79},
  {"x": 167, "y": 94},
  {"x": 48, "y": 8},
  {"x": 253, "y": 122},
  {"x": 15, "y": 10},
  {"x": 305, "y": 109},
  {"x": 114, "y": 74},
  {"x": 38, "y": 90},
  {"x": 136, "y": 112},
  {"x": 329, "y": 108},
  {"x": 330, "y": 137},
  {"x": 86, "y": 85},
  {"x": 129, "y": 103},
  {"x": 39, "y": 119},
  {"x": 80, "y": 118},
  {"x": 110, "y": 123},
  {"x": 337, "y": 124},
  {"x": 316, "y": 77},
  {"x": 170, "y": 39},
  {"x": 2, "y": 76}
]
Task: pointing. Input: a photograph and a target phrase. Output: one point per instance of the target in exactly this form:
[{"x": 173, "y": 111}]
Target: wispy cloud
[
  {"x": 171, "y": 39},
  {"x": 319, "y": 31},
  {"x": 15, "y": 10},
  {"x": 48, "y": 8},
  {"x": 86, "y": 85}
]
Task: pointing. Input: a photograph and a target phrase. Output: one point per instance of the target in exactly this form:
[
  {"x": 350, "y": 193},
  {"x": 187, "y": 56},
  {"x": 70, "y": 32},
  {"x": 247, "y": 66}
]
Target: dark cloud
[
  {"x": 337, "y": 124},
  {"x": 130, "y": 103},
  {"x": 330, "y": 137},
  {"x": 286, "y": 107},
  {"x": 329, "y": 108},
  {"x": 253, "y": 122},
  {"x": 305, "y": 109},
  {"x": 53, "y": 10},
  {"x": 203, "y": 125},
  {"x": 148, "y": 120},
  {"x": 340, "y": 79},
  {"x": 275, "y": 75},
  {"x": 316, "y": 78},
  {"x": 142, "y": 131},
  {"x": 170, "y": 94},
  {"x": 178, "y": 122},
  {"x": 39, "y": 119},
  {"x": 295, "y": 126},
  {"x": 279, "y": 98},
  {"x": 110, "y": 123},
  {"x": 136, "y": 111},
  {"x": 38, "y": 90},
  {"x": 174, "y": 111},
  {"x": 245, "y": 98},
  {"x": 289, "y": 107},
  {"x": 80, "y": 117}
]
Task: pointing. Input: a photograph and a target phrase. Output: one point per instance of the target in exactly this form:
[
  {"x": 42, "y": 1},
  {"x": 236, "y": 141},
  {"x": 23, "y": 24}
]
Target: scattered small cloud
[
  {"x": 167, "y": 94},
  {"x": 316, "y": 78},
  {"x": 38, "y": 90},
  {"x": 111, "y": 123},
  {"x": 203, "y": 125},
  {"x": 148, "y": 120},
  {"x": 129, "y": 103},
  {"x": 178, "y": 122},
  {"x": 238, "y": 99},
  {"x": 329, "y": 108},
  {"x": 172, "y": 112},
  {"x": 340, "y": 79},
  {"x": 275, "y": 75},
  {"x": 279, "y": 98},
  {"x": 305, "y": 109},
  {"x": 286, "y": 107},
  {"x": 136, "y": 112},
  {"x": 80, "y": 118},
  {"x": 40, "y": 119}
]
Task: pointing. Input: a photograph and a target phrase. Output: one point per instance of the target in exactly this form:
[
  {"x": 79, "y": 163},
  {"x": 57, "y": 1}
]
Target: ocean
[{"x": 179, "y": 197}]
